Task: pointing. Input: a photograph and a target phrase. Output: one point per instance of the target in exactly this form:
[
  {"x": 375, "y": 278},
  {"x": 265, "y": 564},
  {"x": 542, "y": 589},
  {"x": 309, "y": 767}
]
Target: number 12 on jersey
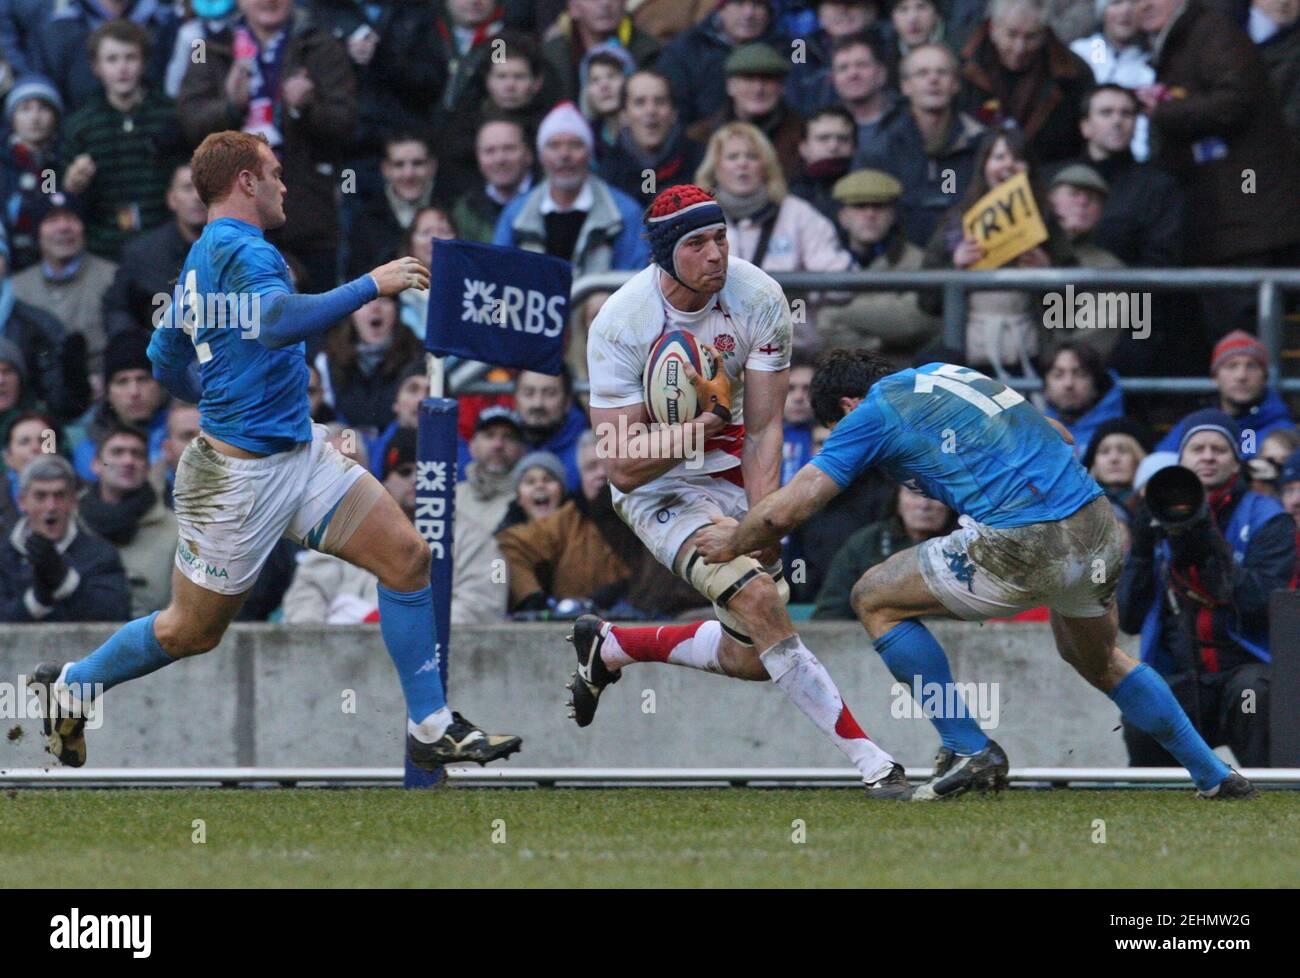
[{"x": 959, "y": 381}]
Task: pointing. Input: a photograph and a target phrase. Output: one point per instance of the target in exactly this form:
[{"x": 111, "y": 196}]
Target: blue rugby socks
[
  {"x": 917, "y": 660},
  {"x": 132, "y": 651},
  {"x": 406, "y": 621},
  {"x": 1146, "y": 701}
]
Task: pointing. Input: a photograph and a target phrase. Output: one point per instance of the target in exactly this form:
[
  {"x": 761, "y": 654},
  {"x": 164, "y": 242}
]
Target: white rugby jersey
[{"x": 747, "y": 322}]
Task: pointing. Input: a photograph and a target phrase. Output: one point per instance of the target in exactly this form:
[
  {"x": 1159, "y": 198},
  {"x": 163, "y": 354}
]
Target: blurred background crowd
[{"x": 837, "y": 136}]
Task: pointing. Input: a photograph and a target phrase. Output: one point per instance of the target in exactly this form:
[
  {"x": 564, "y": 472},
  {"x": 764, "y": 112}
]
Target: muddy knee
[
  {"x": 757, "y": 599},
  {"x": 867, "y": 603},
  {"x": 181, "y": 639}
]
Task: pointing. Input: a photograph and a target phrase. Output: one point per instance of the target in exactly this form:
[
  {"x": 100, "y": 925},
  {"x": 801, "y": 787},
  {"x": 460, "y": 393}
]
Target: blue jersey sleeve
[
  {"x": 857, "y": 443},
  {"x": 175, "y": 365}
]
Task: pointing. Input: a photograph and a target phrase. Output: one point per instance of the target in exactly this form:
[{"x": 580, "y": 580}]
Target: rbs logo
[{"x": 522, "y": 310}]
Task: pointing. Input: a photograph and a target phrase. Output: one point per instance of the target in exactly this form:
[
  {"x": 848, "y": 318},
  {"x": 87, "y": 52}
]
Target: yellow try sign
[{"x": 1006, "y": 222}]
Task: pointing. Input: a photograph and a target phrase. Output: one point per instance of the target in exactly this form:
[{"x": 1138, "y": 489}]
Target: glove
[
  {"x": 48, "y": 567},
  {"x": 714, "y": 395}
]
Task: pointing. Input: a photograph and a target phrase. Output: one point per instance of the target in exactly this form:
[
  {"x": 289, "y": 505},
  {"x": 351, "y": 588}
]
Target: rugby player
[
  {"x": 260, "y": 469},
  {"x": 1036, "y": 530},
  {"x": 726, "y": 303}
]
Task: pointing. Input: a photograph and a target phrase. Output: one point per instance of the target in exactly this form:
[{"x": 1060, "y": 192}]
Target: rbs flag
[{"x": 499, "y": 305}]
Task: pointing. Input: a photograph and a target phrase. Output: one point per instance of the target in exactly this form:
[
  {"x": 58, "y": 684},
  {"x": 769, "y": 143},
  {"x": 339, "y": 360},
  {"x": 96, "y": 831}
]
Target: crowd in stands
[{"x": 837, "y": 136}]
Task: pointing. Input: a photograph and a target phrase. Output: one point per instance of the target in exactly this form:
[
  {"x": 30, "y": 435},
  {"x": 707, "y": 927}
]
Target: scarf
[
  {"x": 116, "y": 522},
  {"x": 371, "y": 355},
  {"x": 486, "y": 485},
  {"x": 738, "y": 208},
  {"x": 263, "y": 115},
  {"x": 405, "y": 211},
  {"x": 827, "y": 171}
]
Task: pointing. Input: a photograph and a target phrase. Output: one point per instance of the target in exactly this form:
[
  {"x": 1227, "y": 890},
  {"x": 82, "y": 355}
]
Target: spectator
[
  {"x": 1001, "y": 327},
  {"x": 826, "y": 146},
  {"x": 462, "y": 41},
  {"x": 798, "y": 421},
  {"x": 552, "y": 422},
  {"x": 651, "y": 151},
  {"x": 321, "y": 411},
  {"x": 861, "y": 81},
  {"x": 47, "y": 367},
  {"x": 891, "y": 321},
  {"x": 915, "y": 519},
  {"x": 412, "y": 388},
  {"x": 182, "y": 428},
  {"x": 121, "y": 144},
  {"x": 505, "y": 164},
  {"x": 1199, "y": 596},
  {"x": 604, "y": 73},
  {"x": 477, "y": 594},
  {"x": 1216, "y": 122},
  {"x": 1265, "y": 469},
  {"x": 755, "y": 74},
  {"x": 809, "y": 88},
  {"x": 210, "y": 17},
  {"x": 1273, "y": 26},
  {"x": 140, "y": 294},
  {"x": 1118, "y": 56},
  {"x": 588, "y": 25},
  {"x": 294, "y": 84},
  {"x": 1239, "y": 368},
  {"x": 28, "y": 435},
  {"x": 766, "y": 225},
  {"x": 397, "y": 81},
  {"x": 512, "y": 88},
  {"x": 32, "y": 110},
  {"x": 931, "y": 147},
  {"x": 573, "y": 214},
  {"x": 58, "y": 46},
  {"x": 409, "y": 169},
  {"x": 328, "y": 590},
  {"x": 1289, "y": 494},
  {"x": 1143, "y": 217},
  {"x": 1015, "y": 69},
  {"x": 1079, "y": 392},
  {"x": 1114, "y": 452},
  {"x": 51, "y": 568},
  {"x": 131, "y": 396},
  {"x": 363, "y": 361},
  {"x": 430, "y": 224},
  {"x": 579, "y": 551},
  {"x": 69, "y": 283},
  {"x": 693, "y": 61},
  {"x": 915, "y": 23},
  {"x": 124, "y": 509},
  {"x": 537, "y": 482},
  {"x": 20, "y": 21}
]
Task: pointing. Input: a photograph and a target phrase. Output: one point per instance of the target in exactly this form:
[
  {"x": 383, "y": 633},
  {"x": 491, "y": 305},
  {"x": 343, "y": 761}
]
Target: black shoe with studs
[
  {"x": 65, "y": 736},
  {"x": 893, "y": 786},
  {"x": 461, "y": 741},
  {"x": 958, "y": 774},
  {"x": 593, "y": 675},
  {"x": 1232, "y": 788}
]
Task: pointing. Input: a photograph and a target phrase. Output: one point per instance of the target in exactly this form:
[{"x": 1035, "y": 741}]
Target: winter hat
[
  {"x": 32, "y": 86},
  {"x": 535, "y": 460},
  {"x": 1211, "y": 419},
  {"x": 1290, "y": 469},
  {"x": 1238, "y": 343},
  {"x": 565, "y": 120},
  {"x": 126, "y": 351},
  {"x": 401, "y": 450},
  {"x": 9, "y": 353},
  {"x": 609, "y": 49},
  {"x": 1117, "y": 426},
  {"x": 674, "y": 215}
]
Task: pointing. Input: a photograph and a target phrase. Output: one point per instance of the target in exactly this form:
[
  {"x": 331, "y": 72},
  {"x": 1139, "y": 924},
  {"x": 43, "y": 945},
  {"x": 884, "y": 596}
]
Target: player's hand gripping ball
[{"x": 671, "y": 396}]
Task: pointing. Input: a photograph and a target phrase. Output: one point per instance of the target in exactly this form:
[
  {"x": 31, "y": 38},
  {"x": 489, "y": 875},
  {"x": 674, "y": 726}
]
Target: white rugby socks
[{"x": 809, "y": 686}]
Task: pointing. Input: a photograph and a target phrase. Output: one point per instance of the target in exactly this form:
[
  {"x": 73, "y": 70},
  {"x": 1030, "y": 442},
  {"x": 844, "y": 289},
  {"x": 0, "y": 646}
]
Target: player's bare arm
[
  {"x": 765, "y": 393},
  {"x": 399, "y": 275},
  {"x": 770, "y": 519}
]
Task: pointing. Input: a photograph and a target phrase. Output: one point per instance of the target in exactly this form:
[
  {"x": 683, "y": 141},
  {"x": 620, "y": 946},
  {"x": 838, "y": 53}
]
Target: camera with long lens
[{"x": 1175, "y": 497}]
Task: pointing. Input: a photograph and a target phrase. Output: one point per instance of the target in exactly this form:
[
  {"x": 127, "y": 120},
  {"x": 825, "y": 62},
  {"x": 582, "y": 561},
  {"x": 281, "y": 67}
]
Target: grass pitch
[{"x": 641, "y": 837}]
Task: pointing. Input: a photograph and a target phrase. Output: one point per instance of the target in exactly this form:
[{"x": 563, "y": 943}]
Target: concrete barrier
[{"x": 282, "y": 696}]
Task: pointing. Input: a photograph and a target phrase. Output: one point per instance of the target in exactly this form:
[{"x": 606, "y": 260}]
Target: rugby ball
[{"x": 669, "y": 395}]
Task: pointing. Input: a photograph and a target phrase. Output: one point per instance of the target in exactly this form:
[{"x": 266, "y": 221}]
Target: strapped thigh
[
  {"x": 333, "y": 532},
  {"x": 722, "y": 582}
]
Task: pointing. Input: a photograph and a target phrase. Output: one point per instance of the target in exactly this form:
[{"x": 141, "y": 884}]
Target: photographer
[{"x": 1207, "y": 553}]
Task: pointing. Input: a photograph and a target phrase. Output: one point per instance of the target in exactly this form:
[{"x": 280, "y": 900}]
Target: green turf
[{"x": 677, "y": 837}]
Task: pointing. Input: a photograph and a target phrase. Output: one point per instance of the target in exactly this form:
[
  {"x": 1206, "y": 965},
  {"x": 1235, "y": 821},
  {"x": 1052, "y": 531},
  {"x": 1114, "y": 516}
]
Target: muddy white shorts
[
  {"x": 231, "y": 512},
  {"x": 1072, "y": 566},
  {"x": 665, "y": 512}
]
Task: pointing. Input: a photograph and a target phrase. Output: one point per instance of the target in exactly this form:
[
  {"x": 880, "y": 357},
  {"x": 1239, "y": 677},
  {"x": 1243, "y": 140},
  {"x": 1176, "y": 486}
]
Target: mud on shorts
[
  {"x": 1072, "y": 566},
  {"x": 232, "y": 512},
  {"x": 665, "y": 512}
]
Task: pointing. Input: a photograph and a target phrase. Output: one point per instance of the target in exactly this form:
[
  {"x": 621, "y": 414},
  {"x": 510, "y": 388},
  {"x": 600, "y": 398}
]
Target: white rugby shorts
[
  {"x": 666, "y": 511},
  {"x": 1072, "y": 566},
  {"x": 232, "y": 512}
]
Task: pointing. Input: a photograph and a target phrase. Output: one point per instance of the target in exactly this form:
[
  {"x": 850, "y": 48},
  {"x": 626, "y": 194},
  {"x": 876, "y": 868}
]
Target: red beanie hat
[{"x": 1236, "y": 344}]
